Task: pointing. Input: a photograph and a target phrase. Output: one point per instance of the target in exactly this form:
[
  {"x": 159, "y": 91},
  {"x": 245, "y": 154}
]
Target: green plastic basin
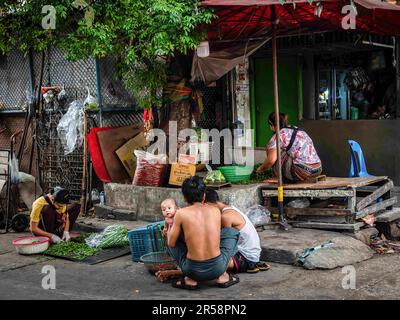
[{"x": 237, "y": 173}]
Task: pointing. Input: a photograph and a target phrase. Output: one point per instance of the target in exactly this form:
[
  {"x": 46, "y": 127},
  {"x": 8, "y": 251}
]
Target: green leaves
[
  {"x": 140, "y": 34},
  {"x": 78, "y": 251}
]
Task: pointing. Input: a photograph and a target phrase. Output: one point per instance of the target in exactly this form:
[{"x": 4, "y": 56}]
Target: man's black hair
[
  {"x": 212, "y": 196},
  {"x": 194, "y": 189},
  {"x": 61, "y": 195}
]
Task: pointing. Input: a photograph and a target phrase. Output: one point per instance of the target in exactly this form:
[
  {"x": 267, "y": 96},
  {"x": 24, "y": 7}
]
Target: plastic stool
[{"x": 357, "y": 165}]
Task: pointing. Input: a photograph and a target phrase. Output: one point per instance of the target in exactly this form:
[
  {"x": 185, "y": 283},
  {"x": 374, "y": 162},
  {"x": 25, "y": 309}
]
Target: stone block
[
  {"x": 122, "y": 214},
  {"x": 102, "y": 212},
  {"x": 345, "y": 251},
  {"x": 286, "y": 246},
  {"x": 146, "y": 201}
]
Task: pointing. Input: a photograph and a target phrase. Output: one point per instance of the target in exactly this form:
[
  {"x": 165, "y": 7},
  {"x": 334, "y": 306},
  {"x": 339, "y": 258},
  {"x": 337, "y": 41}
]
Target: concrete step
[
  {"x": 92, "y": 224},
  {"x": 107, "y": 212},
  {"x": 328, "y": 226},
  {"x": 388, "y": 216}
]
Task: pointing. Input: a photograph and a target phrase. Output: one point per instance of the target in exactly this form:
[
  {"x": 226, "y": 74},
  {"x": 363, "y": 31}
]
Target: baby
[{"x": 168, "y": 208}]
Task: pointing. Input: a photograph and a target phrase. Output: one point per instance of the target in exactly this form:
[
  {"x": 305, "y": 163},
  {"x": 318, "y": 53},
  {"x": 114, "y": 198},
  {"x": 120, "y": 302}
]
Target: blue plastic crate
[{"x": 144, "y": 240}]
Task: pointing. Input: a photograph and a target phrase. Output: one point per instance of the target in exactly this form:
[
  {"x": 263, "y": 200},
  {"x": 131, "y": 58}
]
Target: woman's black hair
[
  {"x": 61, "y": 195},
  {"x": 212, "y": 196},
  {"x": 194, "y": 189},
  {"x": 283, "y": 120}
]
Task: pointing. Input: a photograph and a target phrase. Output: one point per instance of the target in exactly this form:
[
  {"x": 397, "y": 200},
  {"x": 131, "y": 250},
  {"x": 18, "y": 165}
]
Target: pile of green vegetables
[
  {"x": 215, "y": 177},
  {"x": 88, "y": 245},
  {"x": 114, "y": 236},
  {"x": 257, "y": 177},
  {"x": 260, "y": 177},
  {"x": 75, "y": 250}
]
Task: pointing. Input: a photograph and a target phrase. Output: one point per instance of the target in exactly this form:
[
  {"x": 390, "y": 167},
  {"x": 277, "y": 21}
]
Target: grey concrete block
[
  {"x": 345, "y": 251},
  {"x": 121, "y": 214},
  {"x": 146, "y": 201},
  {"x": 102, "y": 211},
  {"x": 286, "y": 246}
]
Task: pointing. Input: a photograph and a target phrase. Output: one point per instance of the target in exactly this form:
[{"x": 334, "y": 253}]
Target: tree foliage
[{"x": 141, "y": 34}]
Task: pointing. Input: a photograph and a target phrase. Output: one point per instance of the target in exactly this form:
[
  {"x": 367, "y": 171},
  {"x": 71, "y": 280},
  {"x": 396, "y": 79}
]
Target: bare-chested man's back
[
  {"x": 201, "y": 225},
  {"x": 207, "y": 250}
]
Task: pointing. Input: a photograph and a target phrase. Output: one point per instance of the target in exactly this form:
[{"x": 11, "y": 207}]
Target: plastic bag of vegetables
[
  {"x": 113, "y": 236},
  {"x": 214, "y": 177},
  {"x": 90, "y": 103}
]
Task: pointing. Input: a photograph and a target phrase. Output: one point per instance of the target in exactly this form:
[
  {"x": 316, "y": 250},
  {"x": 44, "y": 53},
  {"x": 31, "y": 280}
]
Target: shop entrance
[{"x": 262, "y": 104}]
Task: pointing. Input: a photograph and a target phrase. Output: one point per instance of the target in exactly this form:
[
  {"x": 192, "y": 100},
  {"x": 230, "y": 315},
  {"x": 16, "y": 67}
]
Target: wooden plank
[
  {"x": 3, "y": 168},
  {"x": 351, "y": 201},
  {"x": 376, "y": 207},
  {"x": 325, "y": 193},
  {"x": 368, "y": 189},
  {"x": 375, "y": 195},
  {"x": 4, "y": 154},
  {"x": 318, "y": 212},
  {"x": 388, "y": 216},
  {"x": 328, "y": 226},
  {"x": 325, "y": 219},
  {"x": 334, "y": 182}
]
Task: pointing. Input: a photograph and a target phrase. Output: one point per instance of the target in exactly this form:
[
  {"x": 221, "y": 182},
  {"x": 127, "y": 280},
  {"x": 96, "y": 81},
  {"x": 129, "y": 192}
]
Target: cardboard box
[
  {"x": 126, "y": 153},
  {"x": 180, "y": 172}
]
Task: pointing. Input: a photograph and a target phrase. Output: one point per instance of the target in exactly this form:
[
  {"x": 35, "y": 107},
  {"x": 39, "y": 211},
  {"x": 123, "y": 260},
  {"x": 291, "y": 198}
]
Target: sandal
[
  {"x": 253, "y": 269},
  {"x": 232, "y": 280},
  {"x": 262, "y": 266},
  {"x": 181, "y": 284}
]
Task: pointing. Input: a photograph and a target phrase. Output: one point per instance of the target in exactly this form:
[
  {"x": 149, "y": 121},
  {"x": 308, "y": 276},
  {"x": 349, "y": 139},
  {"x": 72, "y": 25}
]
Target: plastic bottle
[
  {"x": 102, "y": 198},
  {"x": 95, "y": 196}
]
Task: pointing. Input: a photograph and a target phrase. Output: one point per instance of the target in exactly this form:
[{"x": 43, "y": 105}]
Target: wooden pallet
[{"x": 360, "y": 196}]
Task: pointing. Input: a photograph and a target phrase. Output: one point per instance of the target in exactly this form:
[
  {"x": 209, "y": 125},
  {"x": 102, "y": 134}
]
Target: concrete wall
[
  {"x": 144, "y": 202},
  {"x": 379, "y": 140}
]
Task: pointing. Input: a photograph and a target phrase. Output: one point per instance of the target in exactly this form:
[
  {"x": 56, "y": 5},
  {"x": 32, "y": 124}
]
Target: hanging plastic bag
[
  {"x": 299, "y": 203},
  {"x": 258, "y": 215},
  {"x": 150, "y": 169},
  {"x": 70, "y": 127},
  {"x": 14, "y": 169},
  {"x": 26, "y": 178},
  {"x": 90, "y": 103},
  {"x": 62, "y": 95}
]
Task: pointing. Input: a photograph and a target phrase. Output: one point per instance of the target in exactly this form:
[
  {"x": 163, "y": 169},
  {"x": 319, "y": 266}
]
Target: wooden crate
[{"x": 358, "y": 196}]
